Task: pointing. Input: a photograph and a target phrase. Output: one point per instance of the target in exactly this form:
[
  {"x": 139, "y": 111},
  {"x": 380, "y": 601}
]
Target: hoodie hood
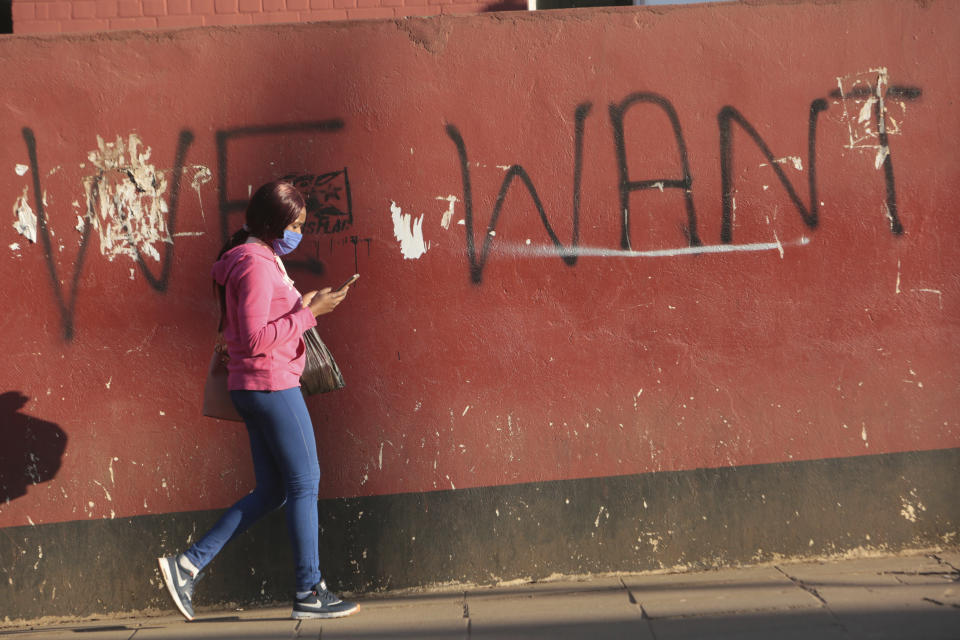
[{"x": 238, "y": 256}]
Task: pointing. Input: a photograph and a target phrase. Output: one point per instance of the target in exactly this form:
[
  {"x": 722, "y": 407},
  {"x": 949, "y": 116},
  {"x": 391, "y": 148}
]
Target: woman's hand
[{"x": 323, "y": 301}]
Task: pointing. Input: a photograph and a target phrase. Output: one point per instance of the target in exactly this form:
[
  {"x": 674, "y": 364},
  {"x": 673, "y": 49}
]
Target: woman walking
[{"x": 263, "y": 318}]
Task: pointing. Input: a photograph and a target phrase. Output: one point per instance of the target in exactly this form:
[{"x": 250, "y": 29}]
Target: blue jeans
[{"x": 287, "y": 471}]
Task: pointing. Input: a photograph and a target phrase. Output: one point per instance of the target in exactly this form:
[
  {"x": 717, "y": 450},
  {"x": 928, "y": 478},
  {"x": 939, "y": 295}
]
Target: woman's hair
[{"x": 273, "y": 208}]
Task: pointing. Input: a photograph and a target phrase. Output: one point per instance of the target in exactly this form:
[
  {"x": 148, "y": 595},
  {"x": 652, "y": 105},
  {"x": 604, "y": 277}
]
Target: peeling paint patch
[
  {"x": 448, "y": 214},
  {"x": 21, "y": 169},
  {"x": 26, "y": 219},
  {"x": 910, "y": 507},
  {"x": 126, "y": 199},
  {"x": 408, "y": 232},
  {"x": 870, "y": 116},
  {"x": 202, "y": 176}
]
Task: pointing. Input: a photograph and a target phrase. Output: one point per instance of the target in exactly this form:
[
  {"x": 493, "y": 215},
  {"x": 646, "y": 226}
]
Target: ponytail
[{"x": 219, "y": 290}]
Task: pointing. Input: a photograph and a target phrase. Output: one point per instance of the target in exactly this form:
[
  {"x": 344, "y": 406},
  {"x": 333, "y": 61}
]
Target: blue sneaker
[
  {"x": 322, "y": 604},
  {"x": 180, "y": 582}
]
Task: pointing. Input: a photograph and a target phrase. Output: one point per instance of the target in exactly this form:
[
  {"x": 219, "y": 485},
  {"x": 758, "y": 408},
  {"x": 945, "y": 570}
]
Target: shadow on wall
[{"x": 30, "y": 448}]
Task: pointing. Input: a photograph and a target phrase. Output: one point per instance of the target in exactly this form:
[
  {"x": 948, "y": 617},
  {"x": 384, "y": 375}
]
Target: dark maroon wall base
[{"x": 684, "y": 520}]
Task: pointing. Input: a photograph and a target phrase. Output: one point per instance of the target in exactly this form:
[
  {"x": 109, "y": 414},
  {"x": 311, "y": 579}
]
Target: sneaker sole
[
  {"x": 323, "y": 615},
  {"x": 168, "y": 580}
]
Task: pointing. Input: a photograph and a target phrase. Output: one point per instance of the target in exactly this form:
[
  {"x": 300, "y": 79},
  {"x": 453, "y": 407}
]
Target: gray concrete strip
[
  {"x": 94, "y": 631},
  {"x": 718, "y": 592},
  {"x": 547, "y": 587},
  {"x": 433, "y": 619},
  {"x": 597, "y": 615},
  {"x": 227, "y": 627}
]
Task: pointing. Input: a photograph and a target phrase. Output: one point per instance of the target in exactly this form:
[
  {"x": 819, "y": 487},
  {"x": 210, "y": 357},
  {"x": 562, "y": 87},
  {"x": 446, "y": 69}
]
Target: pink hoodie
[{"x": 265, "y": 320}]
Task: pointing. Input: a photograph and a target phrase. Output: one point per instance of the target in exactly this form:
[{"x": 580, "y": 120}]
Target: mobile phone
[{"x": 349, "y": 282}]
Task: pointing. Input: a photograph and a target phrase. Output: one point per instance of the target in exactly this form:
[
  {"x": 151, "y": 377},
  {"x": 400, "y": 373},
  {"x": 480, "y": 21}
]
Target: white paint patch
[
  {"x": 550, "y": 251},
  {"x": 794, "y": 160},
  {"x": 408, "y": 232},
  {"x": 596, "y": 523},
  {"x": 448, "y": 214},
  {"x": 126, "y": 199},
  {"x": 26, "y": 219},
  {"x": 21, "y": 169},
  {"x": 15, "y": 246}
]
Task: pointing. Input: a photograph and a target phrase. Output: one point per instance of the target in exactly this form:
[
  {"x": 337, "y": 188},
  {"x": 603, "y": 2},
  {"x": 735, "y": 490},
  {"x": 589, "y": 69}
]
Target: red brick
[
  {"x": 225, "y": 6},
  {"x": 129, "y": 8},
  {"x": 273, "y": 5},
  {"x": 154, "y": 7},
  {"x": 23, "y": 11},
  {"x": 462, "y": 9},
  {"x": 61, "y": 11},
  {"x": 318, "y": 4},
  {"x": 133, "y": 23},
  {"x": 297, "y": 5},
  {"x": 37, "y": 26},
  {"x": 391, "y": 3},
  {"x": 367, "y": 4},
  {"x": 439, "y": 1},
  {"x": 42, "y": 10},
  {"x": 249, "y": 6},
  {"x": 407, "y": 12},
  {"x": 344, "y": 4},
  {"x": 178, "y": 7},
  {"x": 202, "y": 7},
  {"x": 227, "y": 19},
  {"x": 324, "y": 15},
  {"x": 276, "y": 17},
  {"x": 370, "y": 14},
  {"x": 107, "y": 9},
  {"x": 77, "y": 26},
  {"x": 177, "y": 22},
  {"x": 84, "y": 9}
]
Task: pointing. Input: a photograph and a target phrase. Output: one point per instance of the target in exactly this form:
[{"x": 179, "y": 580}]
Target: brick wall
[{"x": 62, "y": 16}]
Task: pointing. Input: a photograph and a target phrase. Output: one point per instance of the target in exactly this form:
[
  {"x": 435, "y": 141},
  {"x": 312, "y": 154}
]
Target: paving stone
[
  {"x": 718, "y": 592},
  {"x": 808, "y": 624},
  {"x": 598, "y": 615}
]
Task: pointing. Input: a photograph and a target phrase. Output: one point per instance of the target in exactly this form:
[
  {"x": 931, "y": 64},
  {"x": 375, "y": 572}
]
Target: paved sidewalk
[{"x": 900, "y": 597}]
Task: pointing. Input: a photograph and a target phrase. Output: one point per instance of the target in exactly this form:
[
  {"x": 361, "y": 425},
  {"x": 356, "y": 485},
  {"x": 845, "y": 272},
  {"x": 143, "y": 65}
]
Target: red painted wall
[
  {"x": 782, "y": 334},
  {"x": 70, "y": 16}
]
